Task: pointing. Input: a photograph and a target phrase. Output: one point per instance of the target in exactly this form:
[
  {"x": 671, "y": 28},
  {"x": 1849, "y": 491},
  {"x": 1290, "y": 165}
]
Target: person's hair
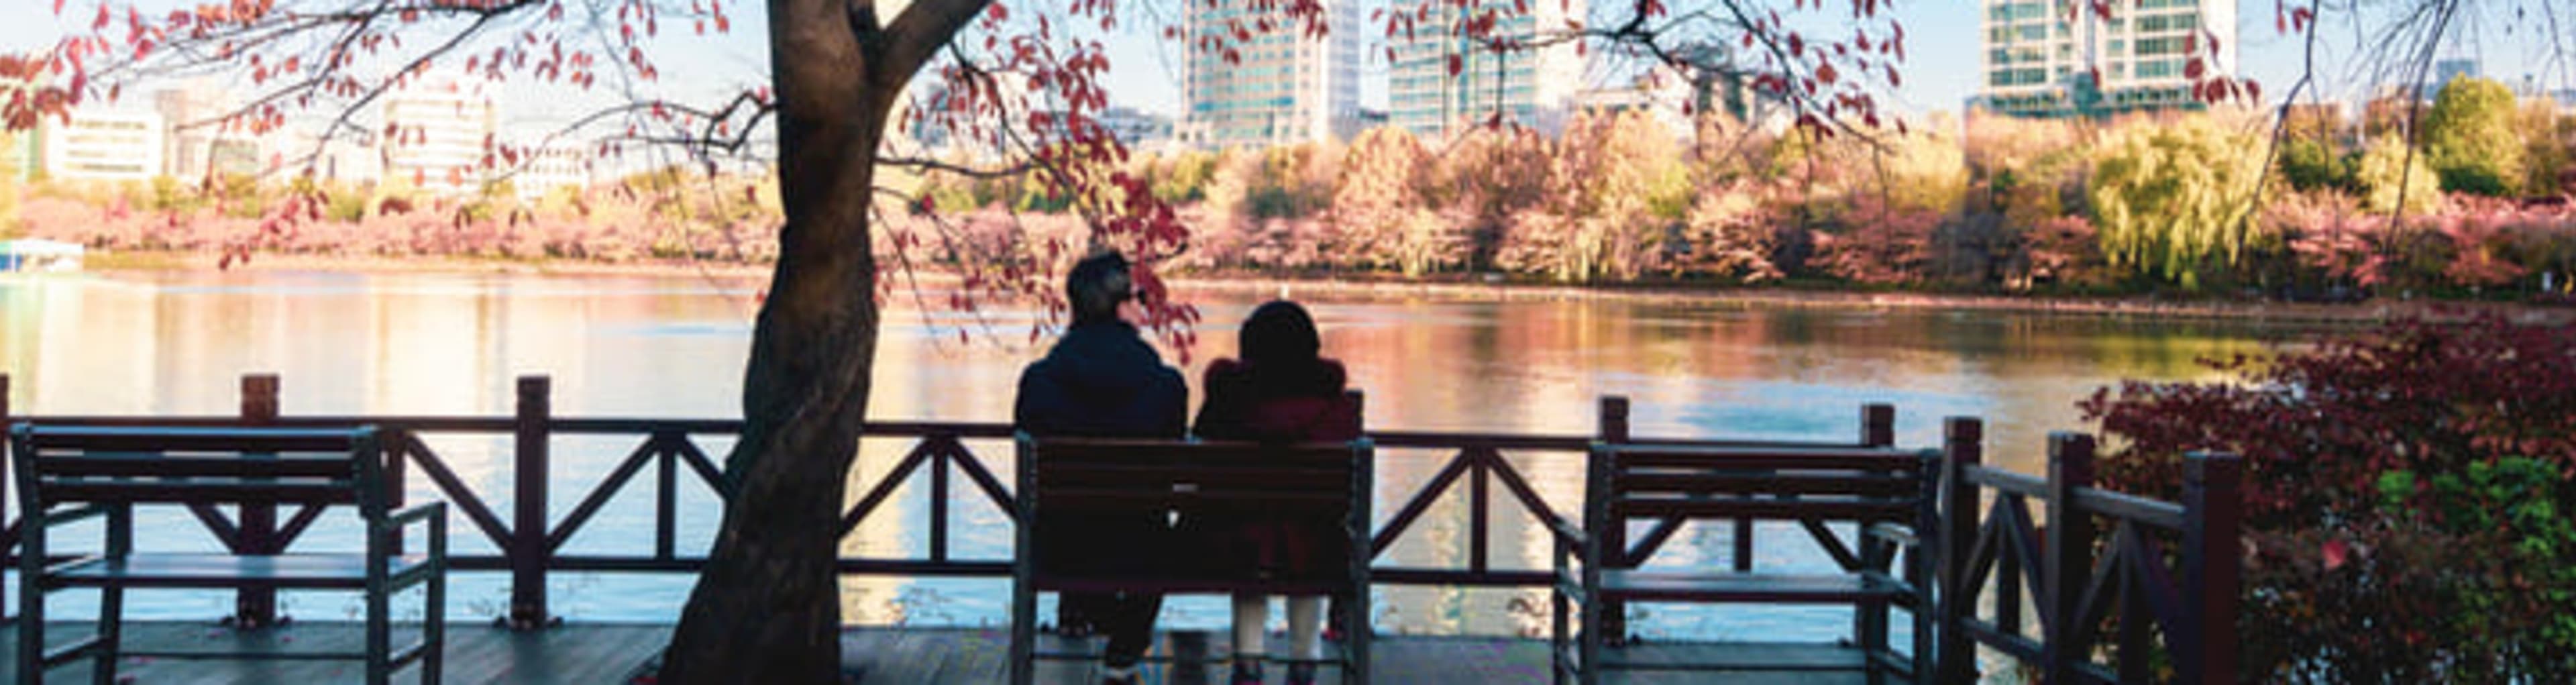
[
  {"x": 1096, "y": 286},
  {"x": 1280, "y": 345}
]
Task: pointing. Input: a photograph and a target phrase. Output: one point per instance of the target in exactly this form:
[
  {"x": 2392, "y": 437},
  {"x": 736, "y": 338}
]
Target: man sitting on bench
[{"x": 1103, "y": 381}]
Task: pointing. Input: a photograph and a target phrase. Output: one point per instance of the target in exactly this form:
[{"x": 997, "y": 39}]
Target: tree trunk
[{"x": 767, "y": 607}]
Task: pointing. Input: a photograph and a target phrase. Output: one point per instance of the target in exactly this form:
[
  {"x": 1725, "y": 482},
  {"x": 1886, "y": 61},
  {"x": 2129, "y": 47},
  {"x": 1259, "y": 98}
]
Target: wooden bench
[
  {"x": 1883, "y": 493},
  {"x": 71, "y": 473},
  {"x": 1082, "y": 476}
]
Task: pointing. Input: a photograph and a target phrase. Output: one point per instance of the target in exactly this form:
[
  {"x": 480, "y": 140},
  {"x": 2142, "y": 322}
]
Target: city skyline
[{"x": 1149, "y": 74}]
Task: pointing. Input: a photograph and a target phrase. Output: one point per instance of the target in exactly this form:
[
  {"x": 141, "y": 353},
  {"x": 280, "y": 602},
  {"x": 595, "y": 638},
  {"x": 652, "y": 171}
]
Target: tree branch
[{"x": 919, "y": 32}]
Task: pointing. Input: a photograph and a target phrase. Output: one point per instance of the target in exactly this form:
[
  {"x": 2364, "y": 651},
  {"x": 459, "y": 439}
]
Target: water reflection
[{"x": 174, "y": 343}]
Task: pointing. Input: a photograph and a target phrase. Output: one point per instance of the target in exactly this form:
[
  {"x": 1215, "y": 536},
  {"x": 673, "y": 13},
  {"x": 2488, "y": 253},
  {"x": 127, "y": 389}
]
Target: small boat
[{"x": 33, "y": 255}]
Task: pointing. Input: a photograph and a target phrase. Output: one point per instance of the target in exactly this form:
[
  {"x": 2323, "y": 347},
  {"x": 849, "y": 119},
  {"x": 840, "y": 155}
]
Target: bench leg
[
  {"x": 1870, "y": 618},
  {"x": 1587, "y": 658},
  {"x": 1360, "y": 635},
  {"x": 1024, "y": 633},
  {"x": 433, "y": 631},
  {"x": 31, "y": 603},
  {"x": 1556, "y": 635},
  {"x": 111, "y": 629},
  {"x": 380, "y": 636}
]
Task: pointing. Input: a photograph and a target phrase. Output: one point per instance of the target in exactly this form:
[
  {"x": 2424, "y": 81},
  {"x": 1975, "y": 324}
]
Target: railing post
[
  {"x": 1961, "y": 448},
  {"x": 528, "y": 549},
  {"x": 1614, "y": 538},
  {"x": 1877, "y": 425},
  {"x": 256, "y": 607},
  {"x": 2067, "y": 551},
  {"x": 2212, "y": 555}
]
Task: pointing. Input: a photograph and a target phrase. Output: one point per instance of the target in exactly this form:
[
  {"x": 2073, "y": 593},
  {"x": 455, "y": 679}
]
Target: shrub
[{"x": 2404, "y": 497}]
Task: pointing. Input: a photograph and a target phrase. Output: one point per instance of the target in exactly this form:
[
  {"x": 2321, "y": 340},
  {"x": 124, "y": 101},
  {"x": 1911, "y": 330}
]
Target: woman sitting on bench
[{"x": 1281, "y": 391}]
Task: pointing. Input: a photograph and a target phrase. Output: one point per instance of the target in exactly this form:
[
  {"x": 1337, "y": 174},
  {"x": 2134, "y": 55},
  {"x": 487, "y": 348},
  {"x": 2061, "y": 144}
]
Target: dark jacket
[
  {"x": 1102, "y": 381},
  {"x": 1308, "y": 405}
]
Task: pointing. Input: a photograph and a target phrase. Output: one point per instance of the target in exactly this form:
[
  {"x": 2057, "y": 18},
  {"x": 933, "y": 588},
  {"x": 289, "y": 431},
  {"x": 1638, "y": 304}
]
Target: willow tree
[
  {"x": 2171, "y": 200},
  {"x": 1024, "y": 82}
]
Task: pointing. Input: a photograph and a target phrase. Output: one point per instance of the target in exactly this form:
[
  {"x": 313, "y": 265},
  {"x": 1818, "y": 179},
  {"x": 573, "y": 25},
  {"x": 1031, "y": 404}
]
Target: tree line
[
  {"x": 2201, "y": 202},
  {"x": 2185, "y": 202}
]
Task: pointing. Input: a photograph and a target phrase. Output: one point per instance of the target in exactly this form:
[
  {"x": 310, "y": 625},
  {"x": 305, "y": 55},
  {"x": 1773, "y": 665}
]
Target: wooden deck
[{"x": 615, "y": 653}]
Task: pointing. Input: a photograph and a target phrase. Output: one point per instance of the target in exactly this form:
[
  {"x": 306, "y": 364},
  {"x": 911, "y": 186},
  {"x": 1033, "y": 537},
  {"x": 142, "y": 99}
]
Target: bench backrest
[
  {"x": 58, "y": 464},
  {"x": 1075, "y": 475},
  {"x": 1864, "y": 485}
]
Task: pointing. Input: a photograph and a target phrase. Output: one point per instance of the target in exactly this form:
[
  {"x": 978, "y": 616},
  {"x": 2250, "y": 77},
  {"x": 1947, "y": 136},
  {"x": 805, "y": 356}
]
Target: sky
[{"x": 1940, "y": 73}]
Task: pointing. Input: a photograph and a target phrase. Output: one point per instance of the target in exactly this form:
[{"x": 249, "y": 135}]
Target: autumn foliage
[{"x": 2409, "y": 509}]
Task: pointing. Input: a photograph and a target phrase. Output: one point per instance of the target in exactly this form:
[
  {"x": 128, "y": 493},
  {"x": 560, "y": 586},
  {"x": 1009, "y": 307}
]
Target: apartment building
[
  {"x": 1285, "y": 85},
  {"x": 1529, "y": 87},
  {"x": 104, "y": 145},
  {"x": 2040, "y": 55},
  {"x": 441, "y": 125}
]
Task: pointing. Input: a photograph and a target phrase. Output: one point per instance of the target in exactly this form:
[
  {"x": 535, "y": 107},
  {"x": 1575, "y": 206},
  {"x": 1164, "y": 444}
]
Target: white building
[
  {"x": 199, "y": 143},
  {"x": 2037, "y": 62},
  {"x": 1136, "y": 128},
  {"x": 1666, "y": 97},
  {"x": 1285, "y": 87},
  {"x": 104, "y": 145},
  {"x": 441, "y": 126},
  {"x": 550, "y": 169},
  {"x": 1528, "y": 87}
]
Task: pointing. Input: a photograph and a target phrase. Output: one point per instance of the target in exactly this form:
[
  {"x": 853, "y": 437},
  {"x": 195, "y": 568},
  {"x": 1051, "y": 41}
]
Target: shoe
[
  {"x": 1246, "y": 673},
  {"x": 1118, "y": 676},
  {"x": 1301, "y": 674}
]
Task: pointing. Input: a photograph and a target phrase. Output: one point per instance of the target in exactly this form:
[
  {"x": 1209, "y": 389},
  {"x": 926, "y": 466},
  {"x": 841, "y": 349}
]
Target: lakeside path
[{"x": 752, "y": 277}]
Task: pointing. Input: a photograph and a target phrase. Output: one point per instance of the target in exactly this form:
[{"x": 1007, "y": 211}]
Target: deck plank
[{"x": 613, "y": 653}]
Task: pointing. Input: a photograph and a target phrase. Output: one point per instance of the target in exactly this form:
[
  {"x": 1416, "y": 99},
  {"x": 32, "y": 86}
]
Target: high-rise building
[
  {"x": 1285, "y": 85},
  {"x": 2443, "y": 72},
  {"x": 104, "y": 145},
  {"x": 551, "y": 168},
  {"x": 2040, "y": 55},
  {"x": 1528, "y": 87},
  {"x": 441, "y": 126}
]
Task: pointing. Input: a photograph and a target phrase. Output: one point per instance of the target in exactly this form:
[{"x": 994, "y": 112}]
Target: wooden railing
[
  {"x": 2105, "y": 562},
  {"x": 529, "y": 546}
]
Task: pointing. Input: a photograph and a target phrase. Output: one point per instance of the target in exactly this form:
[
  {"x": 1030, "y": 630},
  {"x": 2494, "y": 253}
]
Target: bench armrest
[
  {"x": 417, "y": 513},
  {"x": 432, "y": 513},
  {"x": 75, "y": 514},
  {"x": 1903, "y": 536},
  {"x": 1567, "y": 532}
]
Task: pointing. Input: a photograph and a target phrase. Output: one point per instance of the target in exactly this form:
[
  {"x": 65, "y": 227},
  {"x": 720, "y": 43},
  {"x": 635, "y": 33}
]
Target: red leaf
[
  {"x": 1457, "y": 65},
  {"x": 2337, "y": 553},
  {"x": 2194, "y": 68}
]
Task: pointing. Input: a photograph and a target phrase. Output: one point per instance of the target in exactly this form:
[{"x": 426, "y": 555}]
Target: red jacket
[{"x": 1311, "y": 407}]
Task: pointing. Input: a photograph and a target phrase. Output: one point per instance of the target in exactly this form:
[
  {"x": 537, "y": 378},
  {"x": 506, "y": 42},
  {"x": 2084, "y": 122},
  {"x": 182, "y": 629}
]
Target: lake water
[{"x": 1521, "y": 362}]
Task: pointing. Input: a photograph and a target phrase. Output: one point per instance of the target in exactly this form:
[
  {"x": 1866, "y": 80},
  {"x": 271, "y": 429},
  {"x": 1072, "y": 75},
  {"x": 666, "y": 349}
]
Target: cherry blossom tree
[{"x": 1025, "y": 81}]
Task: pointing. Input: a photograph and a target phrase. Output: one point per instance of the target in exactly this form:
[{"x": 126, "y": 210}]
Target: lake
[{"x": 1519, "y": 361}]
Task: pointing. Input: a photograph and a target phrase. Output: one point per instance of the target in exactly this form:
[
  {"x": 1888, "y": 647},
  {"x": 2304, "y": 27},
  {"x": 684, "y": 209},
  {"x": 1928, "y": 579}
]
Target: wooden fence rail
[{"x": 2001, "y": 545}]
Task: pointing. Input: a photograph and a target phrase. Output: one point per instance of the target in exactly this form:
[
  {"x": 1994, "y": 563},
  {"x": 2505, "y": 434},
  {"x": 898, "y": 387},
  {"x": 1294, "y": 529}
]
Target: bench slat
[
  {"x": 196, "y": 490},
  {"x": 1048, "y": 582},
  {"x": 1854, "y": 460},
  {"x": 227, "y": 571},
  {"x": 190, "y": 439},
  {"x": 1835, "y": 508},
  {"x": 150, "y": 464},
  {"x": 1748, "y": 587},
  {"x": 1063, "y": 498},
  {"x": 1785, "y": 483}
]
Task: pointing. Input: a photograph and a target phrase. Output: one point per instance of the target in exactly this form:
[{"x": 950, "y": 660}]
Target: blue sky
[{"x": 1942, "y": 41}]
